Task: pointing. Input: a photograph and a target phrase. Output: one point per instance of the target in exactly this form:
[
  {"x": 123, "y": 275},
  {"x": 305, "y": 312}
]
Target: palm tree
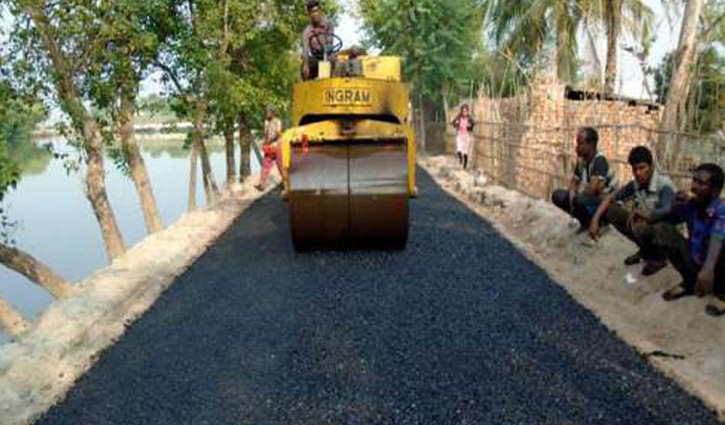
[
  {"x": 631, "y": 14},
  {"x": 526, "y": 27}
]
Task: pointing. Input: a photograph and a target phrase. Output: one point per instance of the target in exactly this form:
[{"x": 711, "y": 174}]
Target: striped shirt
[{"x": 597, "y": 169}]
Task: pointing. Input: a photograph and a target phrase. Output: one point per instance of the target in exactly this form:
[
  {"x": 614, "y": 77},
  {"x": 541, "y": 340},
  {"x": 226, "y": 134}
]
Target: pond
[{"x": 53, "y": 220}]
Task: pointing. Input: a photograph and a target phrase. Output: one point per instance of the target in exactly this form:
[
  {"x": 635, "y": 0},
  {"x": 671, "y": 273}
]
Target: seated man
[
  {"x": 699, "y": 258},
  {"x": 650, "y": 193},
  {"x": 593, "y": 179},
  {"x": 315, "y": 37}
]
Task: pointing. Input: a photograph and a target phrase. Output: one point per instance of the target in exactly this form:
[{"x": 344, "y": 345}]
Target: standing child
[{"x": 463, "y": 124}]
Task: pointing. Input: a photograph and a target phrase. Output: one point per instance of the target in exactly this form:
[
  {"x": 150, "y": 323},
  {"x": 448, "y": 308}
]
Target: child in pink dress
[{"x": 463, "y": 124}]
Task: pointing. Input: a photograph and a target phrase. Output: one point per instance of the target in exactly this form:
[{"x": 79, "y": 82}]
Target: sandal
[
  {"x": 633, "y": 259},
  {"x": 652, "y": 267},
  {"x": 716, "y": 306},
  {"x": 677, "y": 292}
]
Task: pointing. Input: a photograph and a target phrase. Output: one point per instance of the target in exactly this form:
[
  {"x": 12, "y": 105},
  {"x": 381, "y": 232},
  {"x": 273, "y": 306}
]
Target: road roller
[{"x": 349, "y": 159}]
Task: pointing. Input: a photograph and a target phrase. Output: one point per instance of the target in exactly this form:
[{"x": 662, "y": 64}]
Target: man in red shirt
[{"x": 270, "y": 147}]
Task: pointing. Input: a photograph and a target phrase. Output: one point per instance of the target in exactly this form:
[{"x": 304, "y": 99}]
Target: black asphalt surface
[{"x": 458, "y": 329}]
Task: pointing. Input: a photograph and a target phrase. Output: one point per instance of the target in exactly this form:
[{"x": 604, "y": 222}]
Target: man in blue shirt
[{"x": 698, "y": 258}]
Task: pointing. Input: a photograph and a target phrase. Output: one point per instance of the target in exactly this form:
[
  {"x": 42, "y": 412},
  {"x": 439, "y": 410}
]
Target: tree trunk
[
  {"x": 245, "y": 154},
  {"x": 680, "y": 85},
  {"x": 422, "y": 133},
  {"x": 193, "y": 166},
  {"x": 35, "y": 271},
  {"x": 96, "y": 192},
  {"x": 561, "y": 68},
  {"x": 135, "y": 161},
  {"x": 229, "y": 138},
  {"x": 11, "y": 320},
  {"x": 210, "y": 187},
  {"x": 446, "y": 108},
  {"x": 613, "y": 14}
]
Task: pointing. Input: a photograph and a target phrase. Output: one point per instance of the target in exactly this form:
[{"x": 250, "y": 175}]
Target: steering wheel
[{"x": 329, "y": 48}]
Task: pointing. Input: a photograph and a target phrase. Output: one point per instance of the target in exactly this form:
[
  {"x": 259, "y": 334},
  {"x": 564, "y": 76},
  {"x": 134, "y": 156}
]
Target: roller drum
[{"x": 349, "y": 195}]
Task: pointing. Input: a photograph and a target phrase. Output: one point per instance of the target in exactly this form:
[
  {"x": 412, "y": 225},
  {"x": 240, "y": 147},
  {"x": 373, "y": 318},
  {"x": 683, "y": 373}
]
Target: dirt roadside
[{"x": 678, "y": 337}]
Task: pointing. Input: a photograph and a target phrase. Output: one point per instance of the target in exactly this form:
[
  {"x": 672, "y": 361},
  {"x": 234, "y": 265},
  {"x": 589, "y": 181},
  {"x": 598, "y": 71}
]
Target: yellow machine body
[{"x": 350, "y": 157}]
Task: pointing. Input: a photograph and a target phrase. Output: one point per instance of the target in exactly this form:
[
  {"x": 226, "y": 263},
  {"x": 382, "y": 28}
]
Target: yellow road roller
[{"x": 349, "y": 160}]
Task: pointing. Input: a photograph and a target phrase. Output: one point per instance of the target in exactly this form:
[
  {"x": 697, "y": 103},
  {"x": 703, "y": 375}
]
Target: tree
[
  {"x": 9, "y": 172},
  {"x": 679, "y": 87},
  {"x": 254, "y": 71},
  {"x": 260, "y": 65},
  {"x": 133, "y": 28},
  {"x": 60, "y": 39},
  {"x": 705, "y": 107},
  {"x": 636, "y": 17},
  {"x": 227, "y": 60},
  {"x": 17, "y": 122},
  {"x": 526, "y": 28},
  {"x": 197, "y": 45}
]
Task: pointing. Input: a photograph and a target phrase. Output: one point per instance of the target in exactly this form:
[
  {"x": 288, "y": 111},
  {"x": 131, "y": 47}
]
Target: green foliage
[
  {"x": 704, "y": 110},
  {"x": 503, "y": 76},
  {"x": 134, "y": 31},
  {"x": 262, "y": 64},
  {"x": 232, "y": 56},
  {"x": 541, "y": 33},
  {"x": 531, "y": 30},
  {"x": 706, "y": 105},
  {"x": 437, "y": 40},
  {"x": 9, "y": 174},
  {"x": 19, "y": 154},
  {"x": 154, "y": 109}
]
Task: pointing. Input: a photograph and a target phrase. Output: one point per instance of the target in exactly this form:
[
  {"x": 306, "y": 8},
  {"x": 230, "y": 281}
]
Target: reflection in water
[
  {"x": 174, "y": 148},
  {"x": 31, "y": 157},
  {"x": 57, "y": 226}
]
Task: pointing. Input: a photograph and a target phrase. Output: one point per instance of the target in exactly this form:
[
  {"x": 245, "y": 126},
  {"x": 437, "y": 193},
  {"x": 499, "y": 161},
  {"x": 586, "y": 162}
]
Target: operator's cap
[
  {"x": 312, "y": 4},
  {"x": 271, "y": 108}
]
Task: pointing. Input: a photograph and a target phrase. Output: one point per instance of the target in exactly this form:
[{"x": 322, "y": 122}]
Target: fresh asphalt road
[{"x": 457, "y": 329}]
